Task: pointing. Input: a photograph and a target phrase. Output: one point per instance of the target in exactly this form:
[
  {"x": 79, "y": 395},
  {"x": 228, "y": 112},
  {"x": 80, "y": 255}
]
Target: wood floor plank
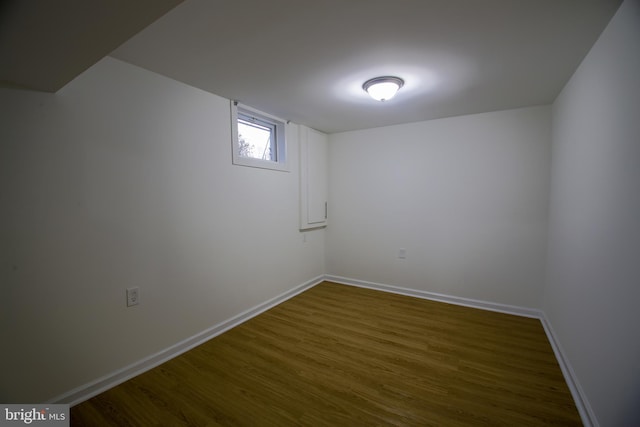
[{"x": 340, "y": 355}]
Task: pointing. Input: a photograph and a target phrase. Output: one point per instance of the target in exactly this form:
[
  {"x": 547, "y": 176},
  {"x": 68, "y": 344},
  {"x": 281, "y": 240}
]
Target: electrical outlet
[{"x": 133, "y": 296}]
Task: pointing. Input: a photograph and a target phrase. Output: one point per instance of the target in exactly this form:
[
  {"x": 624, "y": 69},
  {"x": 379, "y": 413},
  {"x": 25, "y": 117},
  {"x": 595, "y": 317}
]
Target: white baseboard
[
  {"x": 89, "y": 390},
  {"x": 582, "y": 404},
  {"x": 579, "y": 397},
  {"x": 467, "y": 302}
]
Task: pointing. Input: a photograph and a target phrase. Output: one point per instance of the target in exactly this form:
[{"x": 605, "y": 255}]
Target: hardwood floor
[{"x": 338, "y": 355}]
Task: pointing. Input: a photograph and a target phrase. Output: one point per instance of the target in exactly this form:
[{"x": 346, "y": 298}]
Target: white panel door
[{"x": 314, "y": 184}]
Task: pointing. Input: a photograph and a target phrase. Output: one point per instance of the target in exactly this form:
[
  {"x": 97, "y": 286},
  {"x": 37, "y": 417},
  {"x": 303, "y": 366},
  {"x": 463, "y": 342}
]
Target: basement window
[{"x": 258, "y": 139}]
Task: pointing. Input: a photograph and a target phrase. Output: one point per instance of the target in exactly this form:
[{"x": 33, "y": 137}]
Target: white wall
[
  {"x": 124, "y": 178},
  {"x": 593, "y": 289},
  {"x": 467, "y": 197}
]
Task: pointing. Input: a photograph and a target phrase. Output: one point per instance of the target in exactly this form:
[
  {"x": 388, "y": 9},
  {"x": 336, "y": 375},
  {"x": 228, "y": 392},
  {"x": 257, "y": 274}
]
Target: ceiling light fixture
[{"x": 383, "y": 88}]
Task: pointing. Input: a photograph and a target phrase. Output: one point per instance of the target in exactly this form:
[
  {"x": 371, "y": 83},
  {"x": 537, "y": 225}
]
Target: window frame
[{"x": 280, "y": 132}]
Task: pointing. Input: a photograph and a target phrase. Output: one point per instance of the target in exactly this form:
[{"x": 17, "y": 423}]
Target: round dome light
[{"x": 383, "y": 88}]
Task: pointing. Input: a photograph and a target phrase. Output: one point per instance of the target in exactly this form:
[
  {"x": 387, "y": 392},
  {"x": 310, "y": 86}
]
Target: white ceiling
[
  {"x": 44, "y": 44},
  {"x": 306, "y": 61}
]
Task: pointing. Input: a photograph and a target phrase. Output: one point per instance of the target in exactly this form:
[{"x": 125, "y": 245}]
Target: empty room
[{"x": 341, "y": 212}]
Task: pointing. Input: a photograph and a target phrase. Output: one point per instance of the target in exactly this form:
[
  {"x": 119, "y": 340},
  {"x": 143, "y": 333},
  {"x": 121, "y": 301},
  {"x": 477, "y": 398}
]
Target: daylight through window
[{"x": 258, "y": 138}]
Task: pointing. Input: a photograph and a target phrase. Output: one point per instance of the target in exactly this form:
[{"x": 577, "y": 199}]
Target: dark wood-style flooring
[{"x": 339, "y": 355}]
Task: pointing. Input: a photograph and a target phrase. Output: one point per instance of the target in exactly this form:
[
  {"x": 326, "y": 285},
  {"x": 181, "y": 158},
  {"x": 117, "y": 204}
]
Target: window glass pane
[{"x": 256, "y": 139}]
